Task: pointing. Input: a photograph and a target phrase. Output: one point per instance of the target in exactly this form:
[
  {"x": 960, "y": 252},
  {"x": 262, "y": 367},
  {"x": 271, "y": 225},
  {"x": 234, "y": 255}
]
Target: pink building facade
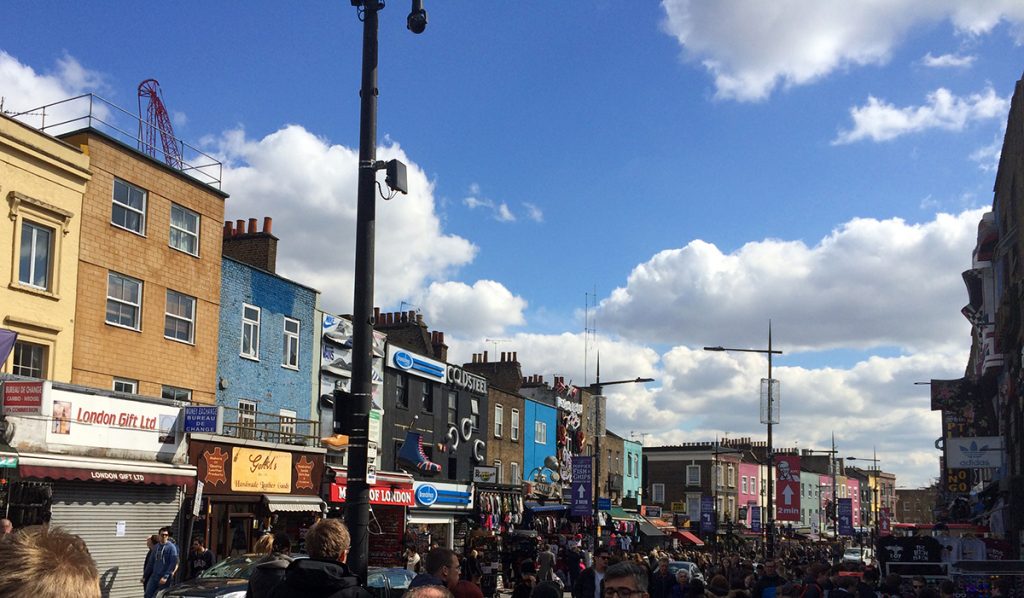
[{"x": 749, "y": 492}]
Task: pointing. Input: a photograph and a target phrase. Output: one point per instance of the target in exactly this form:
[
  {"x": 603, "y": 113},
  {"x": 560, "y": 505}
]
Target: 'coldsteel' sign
[{"x": 463, "y": 379}]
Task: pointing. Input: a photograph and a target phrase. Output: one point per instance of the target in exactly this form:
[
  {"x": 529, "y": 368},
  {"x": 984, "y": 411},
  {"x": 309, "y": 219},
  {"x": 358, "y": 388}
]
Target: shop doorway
[{"x": 232, "y": 528}]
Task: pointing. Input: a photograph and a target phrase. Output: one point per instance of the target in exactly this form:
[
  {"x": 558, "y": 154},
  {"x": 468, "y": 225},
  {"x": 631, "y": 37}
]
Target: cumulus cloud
[
  {"x": 309, "y": 187},
  {"x": 870, "y": 283},
  {"x": 24, "y": 89},
  {"x": 533, "y": 212},
  {"x": 486, "y": 308},
  {"x": 797, "y": 42},
  {"x": 881, "y": 121},
  {"x": 947, "y": 61},
  {"x": 987, "y": 157}
]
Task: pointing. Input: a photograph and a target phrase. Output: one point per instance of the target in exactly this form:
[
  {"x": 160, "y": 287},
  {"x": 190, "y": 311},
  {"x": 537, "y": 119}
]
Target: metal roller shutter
[{"x": 92, "y": 511}]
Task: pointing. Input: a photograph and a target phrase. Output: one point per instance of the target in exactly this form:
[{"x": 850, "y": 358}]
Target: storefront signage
[
  {"x": 426, "y": 495},
  {"x": 485, "y": 475},
  {"x": 22, "y": 397},
  {"x": 203, "y": 418},
  {"x": 974, "y": 452},
  {"x": 97, "y": 421},
  {"x": 117, "y": 476},
  {"x": 225, "y": 469},
  {"x": 258, "y": 470},
  {"x": 463, "y": 379},
  {"x": 679, "y": 507},
  {"x": 650, "y": 511},
  {"x": 401, "y": 496},
  {"x": 570, "y": 406},
  {"x": 417, "y": 365}
]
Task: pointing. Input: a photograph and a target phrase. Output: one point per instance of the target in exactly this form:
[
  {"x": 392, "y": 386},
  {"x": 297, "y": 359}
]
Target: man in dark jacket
[
  {"x": 588, "y": 584},
  {"x": 766, "y": 587},
  {"x": 440, "y": 568},
  {"x": 662, "y": 580},
  {"x": 324, "y": 574},
  {"x": 269, "y": 570}
]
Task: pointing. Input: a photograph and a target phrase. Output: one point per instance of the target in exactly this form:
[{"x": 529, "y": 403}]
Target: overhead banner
[
  {"x": 755, "y": 519},
  {"x": 707, "y": 515},
  {"x": 845, "y": 517},
  {"x": 581, "y": 486},
  {"x": 787, "y": 488}
]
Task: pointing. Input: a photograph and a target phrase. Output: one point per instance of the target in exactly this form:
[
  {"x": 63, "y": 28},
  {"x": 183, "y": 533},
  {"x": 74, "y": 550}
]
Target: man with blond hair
[
  {"x": 47, "y": 562},
  {"x": 324, "y": 574}
]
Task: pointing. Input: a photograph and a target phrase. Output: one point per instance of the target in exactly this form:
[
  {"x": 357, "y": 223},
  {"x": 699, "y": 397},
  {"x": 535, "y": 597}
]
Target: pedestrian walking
[
  {"x": 270, "y": 568},
  {"x": 324, "y": 574},
  {"x": 588, "y": 584},
  {"x": 147, "y": 565},
  {"x": 165, "y": 563},
  {"x": 199, "y": 558}
]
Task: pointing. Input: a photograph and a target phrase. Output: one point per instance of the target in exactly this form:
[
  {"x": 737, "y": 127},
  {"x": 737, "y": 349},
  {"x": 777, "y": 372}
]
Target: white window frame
[
  {"x": 247, "y": 410},
  {"x": 287, "y": 424},
  {"x": 36, "y": 350},
  {"x": 474, "y": 414},
  {"x": 174, "y": 393},
  {"x": 290, "y": 350},
  {"x": 540, "y": 432},
  {"x": 753, "y": 485},
  {"x": 499, "y": 420},
  {"x": 499, "y": 470},
  {"x": 743, "y": 484},
  {"x": 122, "y": 302},
  {"x": 693, "y": 504},
  {"x": 125, "y": 206},
  {"x": 28, "y": 278},
  {"x": 515, "y": 425},
  {"x": 128, "y": 386},
  {"x": 693, "y": 475},
  {"x": 184, "y": 233},
  {"x": 254, "y": 334},
  {"x": 731, "y": 475},
  {"x": 189, "y": 319},
  {"x": 514, "y": 475},
  {"x": 658, "y": 493}
]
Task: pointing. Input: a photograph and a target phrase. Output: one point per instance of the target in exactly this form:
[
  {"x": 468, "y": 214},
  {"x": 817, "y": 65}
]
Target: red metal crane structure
[{"x": 157, "y": 122}]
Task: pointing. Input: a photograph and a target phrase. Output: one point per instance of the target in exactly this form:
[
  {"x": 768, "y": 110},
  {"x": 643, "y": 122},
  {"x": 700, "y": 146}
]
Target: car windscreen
[{"x": 236, "y": 567}]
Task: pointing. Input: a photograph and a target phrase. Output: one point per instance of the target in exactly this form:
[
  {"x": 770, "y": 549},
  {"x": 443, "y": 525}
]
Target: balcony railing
[
  {"x": 270, "y": 427},
  {"x": 91, "y": 111}
]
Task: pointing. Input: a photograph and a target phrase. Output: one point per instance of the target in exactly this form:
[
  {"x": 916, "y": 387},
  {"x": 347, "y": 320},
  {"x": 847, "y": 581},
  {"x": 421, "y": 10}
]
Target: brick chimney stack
[{"x": 258, "y": 248}]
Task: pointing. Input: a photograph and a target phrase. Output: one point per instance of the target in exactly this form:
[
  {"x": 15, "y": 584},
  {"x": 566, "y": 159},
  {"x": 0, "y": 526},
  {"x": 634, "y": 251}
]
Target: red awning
[
  {"x": 685, "y": 535},
  {"x": 53, "y": 467}
]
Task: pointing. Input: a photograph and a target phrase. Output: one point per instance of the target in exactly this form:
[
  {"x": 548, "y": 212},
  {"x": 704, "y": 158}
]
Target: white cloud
[
  {"x": 498, "y": 210},
  {"x": 881, "y": 121},
  {"x": 24, "y": 89},
  {"x": 947, "y": 61},
  {"x": 987, "y": 157},
  {"x": 750, "y": 47},
  {"x": 533, "y": 212},
  {"x": 870, "y": 283},
  {"x": 485, "y": 309},
  {"x": 309, "y": 187}
]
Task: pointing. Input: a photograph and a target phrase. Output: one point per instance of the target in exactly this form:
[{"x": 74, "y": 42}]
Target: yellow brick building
[
  {"x": 148, "y": 275},
  {"x": 42, "y": 181}
]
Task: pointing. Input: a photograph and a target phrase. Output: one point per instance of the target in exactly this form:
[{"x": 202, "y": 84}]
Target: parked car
[
  {"x": 857, "y": 555},
  {"x": 229, "y": 578},
  {"x": 691, "y": 568}
]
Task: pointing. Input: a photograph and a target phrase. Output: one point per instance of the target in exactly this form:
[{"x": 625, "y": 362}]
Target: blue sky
[{"x": 702, "y": 166}]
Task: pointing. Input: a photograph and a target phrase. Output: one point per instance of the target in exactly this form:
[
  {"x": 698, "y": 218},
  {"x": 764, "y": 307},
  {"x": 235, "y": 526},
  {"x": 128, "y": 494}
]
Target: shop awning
[
  {"x": 68, "y": 467},
  {"x": 287, "y": 503},
  {"x": 8, "y": 458},
  {"x": 541, "y": 508},
  {"x": 689, "y": 537},
  {"x": 621, "y": 514},
  {"x": 649, "y": 529}
]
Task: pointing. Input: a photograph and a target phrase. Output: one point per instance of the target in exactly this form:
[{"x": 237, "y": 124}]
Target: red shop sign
[
  {"x": 22, "y": 397},
  {"x": 379, "y": 495}
]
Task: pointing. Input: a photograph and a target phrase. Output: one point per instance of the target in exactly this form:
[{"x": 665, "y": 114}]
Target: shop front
[
  {"x": 107, "y": 468},
  {"x": 252, "y": 489},
  {"x": 390, "y": 497},
  {"x": 442, "y": 515}
]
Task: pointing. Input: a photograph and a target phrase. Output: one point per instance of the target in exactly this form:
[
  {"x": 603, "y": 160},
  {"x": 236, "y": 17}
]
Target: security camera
[{"x": 417, "y": 20}]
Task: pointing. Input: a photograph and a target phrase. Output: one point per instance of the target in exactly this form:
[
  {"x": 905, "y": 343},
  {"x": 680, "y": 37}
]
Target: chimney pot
[
  {"x": 239, "y": 227},
  {"x": 485, "y": 356},
  {"x": 376, "y": 315},
  {"x": 502, "y": 356},
  {"x": 227, "y": 228},
  {"x": 268, "y": 224},
  {"x": 515, "y": 356},
  {"x": 440, "y": 335},
  {"x": 252, "y": 226}
]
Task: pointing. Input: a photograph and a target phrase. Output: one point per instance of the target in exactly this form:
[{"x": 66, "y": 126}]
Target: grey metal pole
[
  {"x": 357, "y": 507},
  {"x": 770, "y": 548}
]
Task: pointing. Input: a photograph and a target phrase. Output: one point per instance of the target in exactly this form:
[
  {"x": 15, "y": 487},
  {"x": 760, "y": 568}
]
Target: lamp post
[
  {"x": 874, "y": 506},
  {"x": 595, "y": 390},
  {"x": 769, "y": 418},
  {"x": 833, "y": 469},
  {"x": 352, "y": 412}
]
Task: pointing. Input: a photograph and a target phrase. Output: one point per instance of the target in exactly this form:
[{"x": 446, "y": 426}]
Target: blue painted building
[
  {"x": 265, "y": 358},
  {"x": 631, "y": 482},
  {"x": 539, "y": 428}
]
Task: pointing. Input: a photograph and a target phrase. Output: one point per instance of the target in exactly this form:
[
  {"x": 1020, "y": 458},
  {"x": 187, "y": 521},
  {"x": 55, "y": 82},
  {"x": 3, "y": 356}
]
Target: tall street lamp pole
[
  {"x": 596, "y": 390},
  {"x": 769, "y": 420},
  {"x": 352, "y": 411},
  {"x": 874, "y": 507}
]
